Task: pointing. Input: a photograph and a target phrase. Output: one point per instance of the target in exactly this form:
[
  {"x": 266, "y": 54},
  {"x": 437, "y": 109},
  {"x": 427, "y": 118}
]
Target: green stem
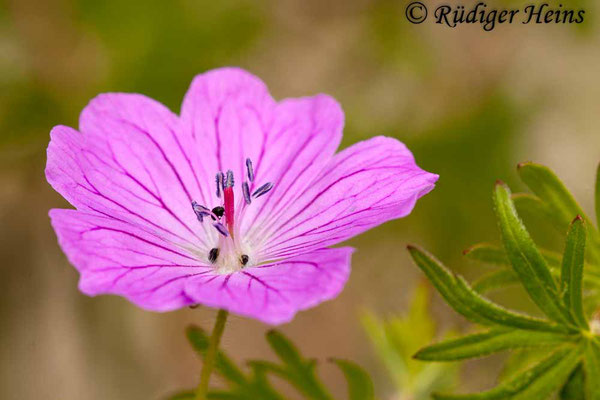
[{"x": 211, "y": 355}]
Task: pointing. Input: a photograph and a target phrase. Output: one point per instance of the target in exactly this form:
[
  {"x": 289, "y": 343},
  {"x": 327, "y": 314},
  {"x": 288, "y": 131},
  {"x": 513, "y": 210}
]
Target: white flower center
[{"x": 231, "y": 253}]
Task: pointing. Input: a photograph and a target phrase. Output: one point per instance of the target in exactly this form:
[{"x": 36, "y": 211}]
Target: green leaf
[
  {"x": 212, "y": 395},
  {"x": 597, "y": 197},
  {"x": 492, "y": 254},
  {"x": 469, "y": 303},
  {"x": 493, "y": 341},
  {"x": 186, "y": 395},
  {"x": 487, "y": 253},
  {"x": 561, "y": 204},
  {"x": 526, "y": 259},
  {"x": 224, "y": 366},
  {"x": 360, "y": 386},
  {"x": 397, "y": 338},
  {"x": 224, "y": 395},
  {"x": 392, "y": 357},
  {"x": 572, "y": 271},
  {"x": 496, "y": 280},
  {"x": 260, "y": 385},
  {"x": 530, "y": 205},
  {"x": 546, "y": 185},
  {"x": 574, "y": 389},
  {"x": 537, "y": 383},
  {"x": 553, "y": 258},
  {"x": 299, "y": 372},
  {"x": 242, "y": 387},
  {"x": 521, "y": 360},
  {"x": 592, "y": 369}
]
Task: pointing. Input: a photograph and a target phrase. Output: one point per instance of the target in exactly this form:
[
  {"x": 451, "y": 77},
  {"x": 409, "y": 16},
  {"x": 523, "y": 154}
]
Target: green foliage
[
  {"x": 292, "y": 368},
  {"x": 597, "y": 197},
  {"x": 561, "y": 206},
  {"x": 397, "y": 338},
  {"x": 556, "y": 353},
  {"x": 360, "y": 386}
]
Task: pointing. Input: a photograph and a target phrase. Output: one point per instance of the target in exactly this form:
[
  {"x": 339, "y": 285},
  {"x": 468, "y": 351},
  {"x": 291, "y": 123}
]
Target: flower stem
[{"x": 211, "y": 355}]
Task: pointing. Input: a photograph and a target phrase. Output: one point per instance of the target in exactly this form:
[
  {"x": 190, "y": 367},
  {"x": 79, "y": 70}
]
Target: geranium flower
[{"x": 232, "y": 204}]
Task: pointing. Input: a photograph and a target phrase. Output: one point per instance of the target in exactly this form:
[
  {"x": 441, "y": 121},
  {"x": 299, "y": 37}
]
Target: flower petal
[
  {"x": 274, "y": 293},
  {"x": 115, "y": 257},
  {"x": 363, "y": 186},
  {"x": 230, "y": 113},
  {"x": 131, "y": 161}
]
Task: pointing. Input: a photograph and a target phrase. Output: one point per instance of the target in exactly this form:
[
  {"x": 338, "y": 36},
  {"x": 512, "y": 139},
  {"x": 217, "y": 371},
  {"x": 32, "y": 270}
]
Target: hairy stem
[{"x": 211, "y": 355}]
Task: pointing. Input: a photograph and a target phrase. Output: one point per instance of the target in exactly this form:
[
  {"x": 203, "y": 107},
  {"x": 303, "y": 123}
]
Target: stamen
[
  {"x": 244, "y": 259},
  {"x": 221, "y": 228},
  {"x": 246, "y": 191},
  {"x": 250, "y": 170},
  {"x": 264, "y": 189},
  {"x": 218, "y": 211},
  {"x": 200, "y": 211},
  {"x": 228, "y": 180},
  {"x": 213, "y": 255},
  {"x": 219, "y": 181}
]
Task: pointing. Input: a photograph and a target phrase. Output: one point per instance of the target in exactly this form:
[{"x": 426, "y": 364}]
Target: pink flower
[{"x": 232, "y": 204}]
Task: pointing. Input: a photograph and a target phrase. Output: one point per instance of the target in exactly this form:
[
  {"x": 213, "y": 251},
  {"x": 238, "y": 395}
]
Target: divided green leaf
[
  {"x": 294, "y": 369},
  {"x": 557, "y": 284},
  {"x": 560, "y": 203},
  {"x": 469, "y": 303},
  {"x": 572, "y": 271},
  {"x": 493, "y": 341},
  {"x": 526, "y": 259},
  {"x": 537, "y": 383}
]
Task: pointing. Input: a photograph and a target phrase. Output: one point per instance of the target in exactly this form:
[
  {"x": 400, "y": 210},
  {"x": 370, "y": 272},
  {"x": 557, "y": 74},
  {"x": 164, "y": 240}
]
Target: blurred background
[{"x": 470, "y": 104}]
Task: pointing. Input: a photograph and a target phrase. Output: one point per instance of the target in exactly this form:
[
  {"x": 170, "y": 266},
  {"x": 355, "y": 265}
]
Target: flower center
[{"x": 230, "y": 254}]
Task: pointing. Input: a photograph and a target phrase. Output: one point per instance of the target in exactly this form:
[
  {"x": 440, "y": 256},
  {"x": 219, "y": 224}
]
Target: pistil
[{"x": 229, "y": 203}]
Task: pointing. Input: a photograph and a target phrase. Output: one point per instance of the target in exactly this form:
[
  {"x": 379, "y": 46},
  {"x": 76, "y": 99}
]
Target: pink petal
[
  {"x": 132, "y": 162},
  {"x": 363, "y": 186},
  {"x": 119, "y": 258},
  {"x": 274, "y": 293},
  {"x": 230, "y": 113}
]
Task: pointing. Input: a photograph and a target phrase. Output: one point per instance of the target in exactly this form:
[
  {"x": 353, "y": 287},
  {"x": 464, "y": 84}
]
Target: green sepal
[{"x": 493, "y": 341}]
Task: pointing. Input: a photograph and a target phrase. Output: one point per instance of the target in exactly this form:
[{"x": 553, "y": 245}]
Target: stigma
[{"x": 230, "y": 253}]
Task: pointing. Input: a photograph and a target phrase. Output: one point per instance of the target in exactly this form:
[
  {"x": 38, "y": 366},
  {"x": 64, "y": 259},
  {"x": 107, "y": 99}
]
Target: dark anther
[
  {"x": 212, "y": 256},
  {"x": 218, "y": 211},
  {"x": 244, "y": 259}
]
